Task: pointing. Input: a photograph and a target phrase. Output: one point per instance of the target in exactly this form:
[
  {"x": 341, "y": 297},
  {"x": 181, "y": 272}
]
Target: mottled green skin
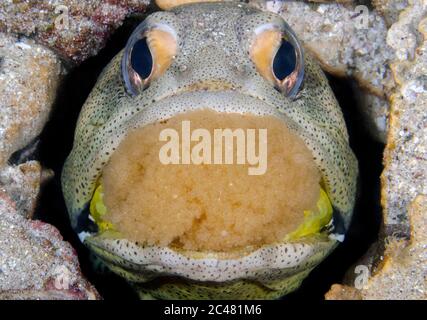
[{"x": 213, "y": 42}]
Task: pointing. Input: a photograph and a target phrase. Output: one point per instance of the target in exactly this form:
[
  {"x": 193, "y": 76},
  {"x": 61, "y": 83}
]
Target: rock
[
  {"x": 35, "y": 262},
  {"x": 390, "y": 9},
  {"x": 22, "y": 184},
  {"x": 375, "y": 111},
  {"x": 399, "y": 269},
  {"x": 29, "y": 78},
  {"x": 74, "y": 29},
  {"x": 340, "y": 292},
  {"x": 403, "y": 270},
  {"x": 405, "y": 157}
]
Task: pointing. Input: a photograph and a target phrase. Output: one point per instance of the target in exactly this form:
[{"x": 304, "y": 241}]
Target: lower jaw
[{"x": 150, "y": 284}]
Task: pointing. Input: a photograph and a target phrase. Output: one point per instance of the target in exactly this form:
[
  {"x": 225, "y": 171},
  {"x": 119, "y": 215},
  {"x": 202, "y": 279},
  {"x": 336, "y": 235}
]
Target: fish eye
[
  {"x": 284, "y": 61},
  {"x": 141, "y": 59},
  {"x": 279, "y": 58},
  {"x": 146, "y": 57}
]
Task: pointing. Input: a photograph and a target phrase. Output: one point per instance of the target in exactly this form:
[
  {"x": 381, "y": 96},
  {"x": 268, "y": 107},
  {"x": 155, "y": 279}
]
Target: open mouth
[{"x": 207, "y": 203}]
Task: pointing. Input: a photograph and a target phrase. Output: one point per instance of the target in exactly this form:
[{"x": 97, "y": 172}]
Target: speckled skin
[{"x": 211, "y": 69}]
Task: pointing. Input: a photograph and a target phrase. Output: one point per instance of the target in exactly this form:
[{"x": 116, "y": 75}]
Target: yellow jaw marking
[{"x": 313, "y": 222}]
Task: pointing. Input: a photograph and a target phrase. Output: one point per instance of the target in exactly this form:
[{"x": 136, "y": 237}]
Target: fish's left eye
[
  {"x": 284, "y": 61},
  {"x": 147, "y": 55},
  {"x": 279, "y": 58}
]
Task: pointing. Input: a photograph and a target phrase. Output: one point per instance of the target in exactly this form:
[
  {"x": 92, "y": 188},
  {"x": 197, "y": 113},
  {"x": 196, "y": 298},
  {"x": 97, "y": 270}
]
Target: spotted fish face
[{"x": 229, "y": 58}]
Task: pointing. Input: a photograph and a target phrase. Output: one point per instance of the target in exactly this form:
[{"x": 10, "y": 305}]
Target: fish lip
[
  {"x": 225, "y": 99},
  {"x": 257, "y": 264}
]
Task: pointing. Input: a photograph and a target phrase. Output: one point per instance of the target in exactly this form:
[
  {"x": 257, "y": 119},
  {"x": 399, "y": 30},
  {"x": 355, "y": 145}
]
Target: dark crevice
[
  {"x": 28, "y": 153},
  {"x": 56, "y": 142},
  {"x": 365, "y": 225}
]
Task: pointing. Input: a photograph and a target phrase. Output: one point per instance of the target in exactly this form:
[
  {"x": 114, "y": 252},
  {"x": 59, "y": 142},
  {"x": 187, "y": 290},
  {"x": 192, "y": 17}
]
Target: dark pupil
[
  {"x": 141, "y": 59},
  {"x": 285, "y": 60}
]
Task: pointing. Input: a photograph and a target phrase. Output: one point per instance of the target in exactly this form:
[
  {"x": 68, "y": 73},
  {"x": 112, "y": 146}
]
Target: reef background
[{"x": 378, "y": 48}]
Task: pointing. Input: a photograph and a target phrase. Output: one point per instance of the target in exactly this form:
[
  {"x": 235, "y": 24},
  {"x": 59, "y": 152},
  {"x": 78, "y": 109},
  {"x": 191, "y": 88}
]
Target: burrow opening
[{"x": 57, "y": 138}]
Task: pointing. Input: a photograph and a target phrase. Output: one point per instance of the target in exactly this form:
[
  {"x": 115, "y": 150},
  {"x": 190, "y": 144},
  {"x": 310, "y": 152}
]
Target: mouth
[
  {"x": 206, "y": 206},
  {"x": 292, "y": 252},
  {"x": 211, "y": 222}
]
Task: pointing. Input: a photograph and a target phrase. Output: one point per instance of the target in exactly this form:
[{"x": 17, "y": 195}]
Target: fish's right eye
[{"x": 141, "y": 59}]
